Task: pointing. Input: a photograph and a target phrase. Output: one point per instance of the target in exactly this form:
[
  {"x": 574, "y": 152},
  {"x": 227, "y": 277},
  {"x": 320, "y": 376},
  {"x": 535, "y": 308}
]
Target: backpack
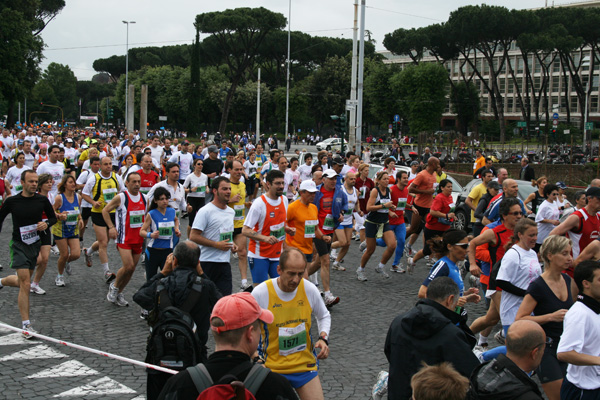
[
  {"x": 173, "y": 342},
  {"x": 228, "y": 387}
]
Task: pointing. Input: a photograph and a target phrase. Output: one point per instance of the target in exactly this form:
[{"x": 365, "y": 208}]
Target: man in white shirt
[
  {"x": 306, "y": 169},
  {"x": 212, "y": 230},
  {"x": 579, "y": 344},
  {"x": 53, "y": 167},
  {"x": 177, "y": 200},
  {"x": 184, "y": 159},
  {"x": 157, "y": 150}
]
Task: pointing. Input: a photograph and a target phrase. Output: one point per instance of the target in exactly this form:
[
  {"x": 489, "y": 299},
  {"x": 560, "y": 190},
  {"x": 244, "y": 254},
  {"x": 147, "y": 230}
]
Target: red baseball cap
[{"x": 239, "y": 310}]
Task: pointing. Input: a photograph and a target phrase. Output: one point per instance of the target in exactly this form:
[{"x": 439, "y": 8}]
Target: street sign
[
  {"x": 162, "y": 117},
  {"x": 389, "y": 126},
  {"x": 522, "y": 124},
  {"x": 390, "y": 131},
  {"x": 567, "y": 131},
  {"x": 555, "y": 122},
  {"x": 589, "y": 126},
  {"x": 555, "y": 116},
  {"x": 396, "y": 118}
]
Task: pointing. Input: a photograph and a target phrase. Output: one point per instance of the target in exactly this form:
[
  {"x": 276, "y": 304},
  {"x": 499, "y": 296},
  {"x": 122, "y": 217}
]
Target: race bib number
[
  {"x": 452, "y": 207},
  {"x": 348, "y": 211},
  {"x": 109, "y": 194},
  {"x": 165, "y": 230},
  {"x": 239, "y": 212},
  {"x": 200, "y": 189},
  {"x": 363, "y": 192},
  {"x": 259, "y": 163},
  {"x": 19, "y": 188},
  {"x": 145, "y": 190},
  {"x": 226, "y": 234},
  {"x": 29, "y": 234},
  {"x": 278, "y": 231},
  {"x": 329, "y": 223},
  {"x": 292, "y": 340},
  {"x": 401, "y": 204},
  {"x": 136, "y": 219},
  {"x": 72, "y": 217},
  {"x": 474, "y": 166},
  {"x": 310, "y": 227}
]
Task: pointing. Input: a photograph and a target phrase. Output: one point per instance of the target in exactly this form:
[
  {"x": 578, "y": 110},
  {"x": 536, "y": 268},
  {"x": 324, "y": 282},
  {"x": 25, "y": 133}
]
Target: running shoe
[
  {"x": 357, "y": 238},
  {"x": 68, "y": 269},
  {"x": 29, "y": 328},
  {"x": 360, "y": 275},
  {"x": 500, "y": 337},
  {"x": 112, "y": 294},
  {"x": 54, "y": 250},
  {"x": 59, "y": 281},
  {"x": 398, "y": 268},
  {"x": 431, "y": 261},
  {"x": 479, "y": 354},
  {"x": 109, "y": 276},
  {"x": 333, "y": 255},
  {"x": 36, "y": 289},
  {"x": 409, "y": 250},
  {"x": 410, "y": 265},
  {"x": 380, "y": 387},
  {"x": 245, "y": 286},
  {"x": 481, "y": 347},
  {"x": 474, "y": 281},
  {"x": 144, "y": 314},
  {"x": 381, "y": 270},
  {"x": 331, "y": 300},
  {"x": 363, "y": 246},
  {"x": 121, "y": 302},
  {"x": 338, "y": 266},
  {"x": 88, "y": 257},
  {"x": 234, "y": 255}
]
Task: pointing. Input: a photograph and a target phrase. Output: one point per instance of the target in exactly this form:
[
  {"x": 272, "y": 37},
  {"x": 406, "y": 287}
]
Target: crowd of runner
[{"x": 290, "y": 221}]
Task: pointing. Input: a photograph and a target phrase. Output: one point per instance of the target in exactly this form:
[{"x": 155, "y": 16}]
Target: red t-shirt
[
  {"x": 325, "y": 205},
  {"x": 400, "y": 199},
  {"x": 443, "y": 204},
  {"x": 148, "y": 180},
  {"x": 424, "y": 181},
  {"x": 364, "y": 194}
]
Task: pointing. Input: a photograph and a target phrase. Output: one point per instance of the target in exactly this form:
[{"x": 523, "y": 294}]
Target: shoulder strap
[
  {"x": 99, "y": 187},
  {"x": 191, "y": 299},
  {"x": 200, "y": 377},
  {"x": 256, "y": 377}
]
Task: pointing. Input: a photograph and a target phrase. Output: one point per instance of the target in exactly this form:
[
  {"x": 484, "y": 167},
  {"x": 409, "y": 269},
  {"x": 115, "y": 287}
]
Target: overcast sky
[{"x": 86, "y": 30}]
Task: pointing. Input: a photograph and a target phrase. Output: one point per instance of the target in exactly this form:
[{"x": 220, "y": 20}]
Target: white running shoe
[
  {"x": 410, "y": 265},
  {"x": 381, "y": 270},
  {"x": 112, "y": 294},
  {"x": 59, "y": 281},
  {"x": 36, "y": 289},
  {"x": 338, "y": 266},
  {"x": 68, "y": 268},
  {"x": 121, "y": 300},
  {"x": 360, "y": 275},
  {"x": 363, "y": 246}
]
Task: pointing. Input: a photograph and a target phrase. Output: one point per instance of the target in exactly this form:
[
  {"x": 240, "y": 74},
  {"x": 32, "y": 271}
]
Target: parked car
[
  {"x": 463, "y": 212},
  {"x": 333, "y": 144}
]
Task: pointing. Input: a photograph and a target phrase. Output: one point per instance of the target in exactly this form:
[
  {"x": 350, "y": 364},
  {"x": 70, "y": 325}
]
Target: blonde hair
[
  {"x": 361, "y": 167},
  {"x": 554, "y": 244},
  {"x": 538, "y": 182}
]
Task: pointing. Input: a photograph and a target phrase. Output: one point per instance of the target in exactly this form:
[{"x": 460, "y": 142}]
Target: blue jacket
[{"x": 340, "y": 202}]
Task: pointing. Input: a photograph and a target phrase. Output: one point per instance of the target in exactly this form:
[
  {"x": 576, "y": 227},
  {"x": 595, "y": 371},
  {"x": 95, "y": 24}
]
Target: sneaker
[
  {"x": 54, "y": 250},
  {"x": 109, "y": 276},
  {"x": 398, "y": 268},
  {"x": 112, "y": 293},
  {"x": 500, "y": 337},
  {"x": 333, "y": 255},
  {"x": 409, "y": 251},
  {"x": 360, "y": 275},
  {"x": 357, "y": 238},
  {"x": 331, "y": 300},
  {"x": 479, "y": 354},
  {"x": 245, "y": 286},
  {"x": 121, "y": 302},
  {"x": 431, "y": 262},
  {"x": 474, "y": 281},
  {"x": 380, "y": 387},
  {"x": 88, "y": 257},
  {"x": 29, "y": 328},
  {"x": 410, "y": 265},
  {"x": 68, "y": 269},
  {"x": 36, "y": 289},
  {"x": 59, "y": 281},
  {"x": 235, "y": 255},
  {"x": 337, "y": 266},
  {"x": 381, "y": 271},
  {"x": 144, "y": 314},
  {"x": 481, "y": 347},
  {"x": 363, "y": 246}
]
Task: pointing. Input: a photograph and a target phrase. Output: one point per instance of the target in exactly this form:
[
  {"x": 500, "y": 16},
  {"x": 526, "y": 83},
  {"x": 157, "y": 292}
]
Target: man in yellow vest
[{"x": 286, "y": 345}]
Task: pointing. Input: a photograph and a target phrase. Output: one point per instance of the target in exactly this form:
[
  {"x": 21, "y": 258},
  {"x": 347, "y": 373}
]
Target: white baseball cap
[
  {"x": 309, "y": 186},
  {"x": 329, "y": 173}
]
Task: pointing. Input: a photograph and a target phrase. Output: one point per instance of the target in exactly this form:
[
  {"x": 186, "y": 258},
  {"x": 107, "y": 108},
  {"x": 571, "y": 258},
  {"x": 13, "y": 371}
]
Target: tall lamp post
[
  {"x": 127, "y": 72},
  {"x": 287, "y": 91}
]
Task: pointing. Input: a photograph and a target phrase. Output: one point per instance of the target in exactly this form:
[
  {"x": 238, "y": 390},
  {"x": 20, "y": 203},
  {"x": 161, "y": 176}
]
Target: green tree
[
  {"x": 237, "y": 35},
  {"x": 379, "y": 94},
  {"x": 465, "y": 104},
  {"x": 422, "y": 90},
  {"x": 64, "y": 84}
]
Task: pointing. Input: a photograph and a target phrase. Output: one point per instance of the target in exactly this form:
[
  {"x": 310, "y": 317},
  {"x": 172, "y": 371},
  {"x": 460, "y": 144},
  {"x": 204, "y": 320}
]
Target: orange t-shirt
[
  {"x": 297, "y": 216},
  {"x": 424, "y": 181}
]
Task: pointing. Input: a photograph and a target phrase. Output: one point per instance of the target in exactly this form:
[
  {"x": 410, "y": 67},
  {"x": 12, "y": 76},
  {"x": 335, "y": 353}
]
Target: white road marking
[
  {"x": 14, "y": 338},
  {"x": 68, "y": 368},
  {"x": 37, "y": 352},
  {"x": 102, "y": 386}
]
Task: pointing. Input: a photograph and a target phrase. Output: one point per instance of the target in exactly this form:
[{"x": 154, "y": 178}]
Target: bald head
[
  {"x": 523, "y": 337},
  {"x": 595, "y": 183},
  {"x": 432, "y": 163}
]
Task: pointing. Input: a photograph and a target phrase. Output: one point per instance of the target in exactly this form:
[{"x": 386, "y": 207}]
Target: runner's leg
[{"x": 125, "y": 273}]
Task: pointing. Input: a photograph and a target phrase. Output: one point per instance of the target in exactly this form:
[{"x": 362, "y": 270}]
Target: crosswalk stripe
[
  {"x": 14, "y": 338},
  {"x": 68, "y": 368},
  {"x": 102, "y": 386},
  {"x": 37, "y": 352}
]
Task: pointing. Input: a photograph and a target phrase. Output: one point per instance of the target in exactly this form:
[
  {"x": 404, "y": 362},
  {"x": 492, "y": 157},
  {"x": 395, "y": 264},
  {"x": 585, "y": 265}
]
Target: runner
[
  {"x": 184, "y": 159},
  {"x": 44, "y": 186},
  {"x": 213, "y": 231},
  {"x": 364, "y": 185},
  {"x": 131, "y": 208},
  {"x": 86, "y": 208},
  {"x": 196, "y": 187},
  {"x": 343, "y": 233},
  {"x": 177, "y": 200},
  {"x": 66, "y": 231},
  {"x": 266, "y": 227},
  {"x": 26, "y": 209},
  {"x": 14, "y": 173},
  {"x": 53, "y": 167},
  {"x": 148, "y": 176},
  {"x": 379, "y": 206},
  {"x": 286, "y": 345},
  {"x": 100, "y": 189},
  {"x": 238, "y": 203}
]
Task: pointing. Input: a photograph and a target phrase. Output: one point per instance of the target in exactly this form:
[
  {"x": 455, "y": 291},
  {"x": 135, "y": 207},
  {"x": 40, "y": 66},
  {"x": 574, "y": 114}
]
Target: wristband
[
  {"x": 446, "y": 215},
  {"x": 323, "y": 339},
  {"x": 148, "y": 235}
]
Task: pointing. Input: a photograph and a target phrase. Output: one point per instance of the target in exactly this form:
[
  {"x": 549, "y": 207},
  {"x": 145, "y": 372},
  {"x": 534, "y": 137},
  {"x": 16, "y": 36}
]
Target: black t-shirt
[
  {"x": 26, "y": 211},
  {"x": 547, "y": 303},
  {"x": 181, "y": 386},
  {"x": 211, "y": 166}
]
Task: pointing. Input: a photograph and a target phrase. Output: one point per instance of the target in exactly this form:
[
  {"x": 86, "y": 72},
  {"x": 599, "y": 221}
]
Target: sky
[{"x": 86, "y": 30}]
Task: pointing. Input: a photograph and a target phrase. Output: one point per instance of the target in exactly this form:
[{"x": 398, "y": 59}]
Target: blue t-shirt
[
  {"x": 445, "y": 267},
  {"x": 165, "y": 224},
  {"x": 493, "y": 212}
]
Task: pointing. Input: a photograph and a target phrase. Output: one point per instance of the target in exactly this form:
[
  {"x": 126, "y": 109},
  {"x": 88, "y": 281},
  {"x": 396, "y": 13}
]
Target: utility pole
[
  {"x": 352, "y": 121},
  {"x": 127, "y": 75},
  {"x": 361, "y": 66},
  {"x": 257, "y": 138},
  {"x": 287, "y": 91}
]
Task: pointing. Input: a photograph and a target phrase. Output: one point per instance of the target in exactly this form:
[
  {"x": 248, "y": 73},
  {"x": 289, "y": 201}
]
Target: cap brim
[{"x": 266, "y": 316}]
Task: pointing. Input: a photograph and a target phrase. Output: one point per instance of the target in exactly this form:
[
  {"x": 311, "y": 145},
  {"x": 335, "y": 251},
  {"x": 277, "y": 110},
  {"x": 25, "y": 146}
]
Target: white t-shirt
[
  {"x": 261, "y": 294},
  {"x": 7, "y": 143},
  {"x": 257, "y": 215},
  {"x": 29, "y": 159},
  {"x": 177, "y": 200},
  {"x": 13, "y": 175},
  {"x": 581, "y": 334},
  {"x": 186, "y": 163},
  {"x": 71, "y": 154},
  {"x": 251, "y": 168},
  {"x": 195, "y": 183},
  {"x": 157, "y": 153},
  {"x": 287, "y": 184},
  {"x": 82, "y": 180},
  {"x": 352, "y": 200},
  {"x": 546, "y": 210},
  {"x": 345, "y": 169},
  {"x": 215, "y": 224},
  {"x": 305, "y": 172},
  {"x": 57, "y": 170},
  {"x": 519, "y": 267}
]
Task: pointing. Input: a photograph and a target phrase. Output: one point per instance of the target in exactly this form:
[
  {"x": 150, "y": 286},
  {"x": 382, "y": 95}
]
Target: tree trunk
[{"x": 10, "y": 118}]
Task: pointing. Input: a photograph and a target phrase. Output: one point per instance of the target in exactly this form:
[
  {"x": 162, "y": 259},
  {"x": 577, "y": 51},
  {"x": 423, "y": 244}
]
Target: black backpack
[{"x": 173, "y": 342}]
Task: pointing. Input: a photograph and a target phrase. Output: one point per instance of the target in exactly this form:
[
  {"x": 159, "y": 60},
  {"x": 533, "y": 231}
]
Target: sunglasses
[
  {"x": 516, "y": 213},
  {"x": 463, "y": 245}
]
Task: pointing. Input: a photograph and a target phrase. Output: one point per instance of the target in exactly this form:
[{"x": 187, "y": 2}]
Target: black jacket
[
  {"x": 431, "y": 333},
  {"x": 502, "y": 379},
  {"x": 527, "y": 173}
]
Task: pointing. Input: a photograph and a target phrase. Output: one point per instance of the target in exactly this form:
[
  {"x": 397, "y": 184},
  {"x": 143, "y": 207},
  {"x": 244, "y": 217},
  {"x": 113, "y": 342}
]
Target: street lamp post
[
  {"x": 287, "y": 91},
  {"x": 127, "y": 71}
]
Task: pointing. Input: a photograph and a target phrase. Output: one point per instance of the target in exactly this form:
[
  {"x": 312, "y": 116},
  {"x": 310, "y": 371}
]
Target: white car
[{"x": 333, "y": 144}]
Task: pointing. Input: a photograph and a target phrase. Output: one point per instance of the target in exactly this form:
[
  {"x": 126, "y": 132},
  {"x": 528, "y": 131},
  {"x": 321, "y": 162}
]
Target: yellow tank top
[
  {"x": 104, "y": 191},
  {"x": 239, "y": 207},
  {"x": 289, "y": 348}
]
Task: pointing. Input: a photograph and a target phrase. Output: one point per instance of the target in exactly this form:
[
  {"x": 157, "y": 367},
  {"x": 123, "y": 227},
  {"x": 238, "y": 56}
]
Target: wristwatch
[{"x": 324, "y": 338}]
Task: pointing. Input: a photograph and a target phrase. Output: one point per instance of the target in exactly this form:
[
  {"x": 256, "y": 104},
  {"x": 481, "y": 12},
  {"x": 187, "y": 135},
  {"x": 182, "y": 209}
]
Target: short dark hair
[
  {"x": 274, "y": 174},
  {"x": 273, "y": 152},
  {"x": 585, "y": 271},
  {"x": 549, "y": 188},
  {"x": 400, "y": 173},
  {"x": 24, "y": 174},
  {"x": 186, "y": 256},
  {"x": 308, "y": 155},
  {"x": 132, "y": 173},
  {"x": 506, "y": 204},
  {"x": 485, "y": 172},
  {"x": 217, "y": 181},
  {"x": 441, "y": 288},
  {"x": 170, "y": 166},
  {"x": 54, "y": 146}
]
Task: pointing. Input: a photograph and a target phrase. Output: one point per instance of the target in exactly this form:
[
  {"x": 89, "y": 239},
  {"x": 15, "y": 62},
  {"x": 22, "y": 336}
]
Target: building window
[
  {"x": 520, "y": 66},
  {"x": 502, "y": 84},
  {"x": 574, "y": 104},
  {"x": 537, "y": 82},
  {"x": 509, "y": 104},
  {"x": 556, "y": 66},
  {"x": 593, "y": 103},
  {"x": 555, "y": 84}
]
